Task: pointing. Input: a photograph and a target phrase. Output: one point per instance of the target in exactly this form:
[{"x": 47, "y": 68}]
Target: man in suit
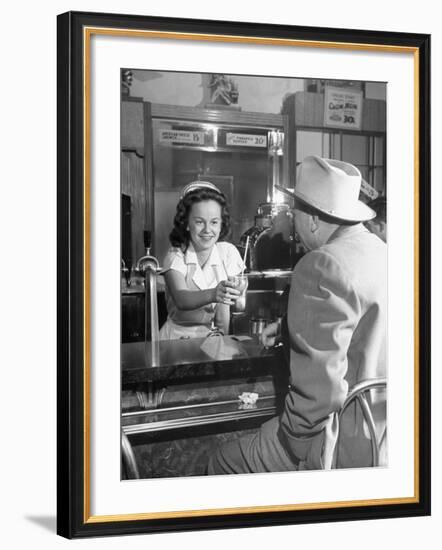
[{"x": 335, "y": 333}]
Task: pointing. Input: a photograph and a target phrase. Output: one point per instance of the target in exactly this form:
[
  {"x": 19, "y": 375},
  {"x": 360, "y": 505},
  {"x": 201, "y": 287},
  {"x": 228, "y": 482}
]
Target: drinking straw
[{"x": 245, "y": 255}]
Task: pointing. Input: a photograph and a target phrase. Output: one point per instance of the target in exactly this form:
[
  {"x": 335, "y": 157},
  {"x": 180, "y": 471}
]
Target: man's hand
[{"x": 269, "y": 334}]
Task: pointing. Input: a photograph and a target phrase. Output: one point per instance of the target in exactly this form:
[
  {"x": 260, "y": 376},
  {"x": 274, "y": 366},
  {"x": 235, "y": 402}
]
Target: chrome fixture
[{"x": 149, "y": 266}]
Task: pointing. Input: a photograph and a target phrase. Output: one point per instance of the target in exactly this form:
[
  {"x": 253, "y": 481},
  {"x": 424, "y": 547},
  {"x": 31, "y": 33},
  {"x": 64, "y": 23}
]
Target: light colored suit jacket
[{"x": 337, "y": 323}]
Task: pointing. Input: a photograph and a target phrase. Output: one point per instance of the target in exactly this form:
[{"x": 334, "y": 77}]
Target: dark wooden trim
[
  {"x": 64, "y": 436},
  {"x": 70, "y": 265},
  {"x": 241, "y": 28},
  {"x": 148, "y": 170},
  {"x": 260, "y": 120},
  {"x": 425, "y": 275}
]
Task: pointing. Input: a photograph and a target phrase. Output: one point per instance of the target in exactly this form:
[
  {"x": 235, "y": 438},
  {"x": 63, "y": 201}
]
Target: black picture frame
[{"x": 74, "y": 518}]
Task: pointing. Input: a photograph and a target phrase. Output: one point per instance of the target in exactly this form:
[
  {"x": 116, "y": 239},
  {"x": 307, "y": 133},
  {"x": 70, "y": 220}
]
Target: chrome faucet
[
  {"x": 147, "y": 260},
  {"x": 149, "y": 266}
]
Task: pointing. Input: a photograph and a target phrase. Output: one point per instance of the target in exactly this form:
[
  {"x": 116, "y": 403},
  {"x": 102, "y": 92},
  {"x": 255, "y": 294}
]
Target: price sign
[
  {"x": 181, "y": 136},
  {"x": 246, "y": 140},
  {"x": 342, "y": 108}
]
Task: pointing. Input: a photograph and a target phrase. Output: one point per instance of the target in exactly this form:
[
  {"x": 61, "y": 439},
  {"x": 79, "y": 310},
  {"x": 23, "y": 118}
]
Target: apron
[
  {"x": 173, "y": 329},
  {"x": 224, "y": 260}
]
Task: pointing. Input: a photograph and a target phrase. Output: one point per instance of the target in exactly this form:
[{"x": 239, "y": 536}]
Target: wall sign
[
  {"x": 181, "y": 136},
  {"x": 342, "y": 108},
  {"x": 246, "y": 140}
]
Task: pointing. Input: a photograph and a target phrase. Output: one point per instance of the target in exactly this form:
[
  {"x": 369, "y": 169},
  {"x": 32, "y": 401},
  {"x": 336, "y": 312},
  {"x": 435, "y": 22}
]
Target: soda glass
[{"x": 241, "y": 283}]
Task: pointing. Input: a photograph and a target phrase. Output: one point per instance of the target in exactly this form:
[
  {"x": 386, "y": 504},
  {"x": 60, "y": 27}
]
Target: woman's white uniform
[{"x": 224, "y": 261}]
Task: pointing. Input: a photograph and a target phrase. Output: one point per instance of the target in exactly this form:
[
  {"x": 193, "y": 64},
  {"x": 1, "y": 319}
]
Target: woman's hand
[{"x": 226, "y": 293}]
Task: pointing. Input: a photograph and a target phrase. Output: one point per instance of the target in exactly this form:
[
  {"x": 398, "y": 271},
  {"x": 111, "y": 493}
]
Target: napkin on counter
[
  {"x": 248, "y": 400},
  {"x": 219, "y": 347},
  {"x": 248, "y": 397}
]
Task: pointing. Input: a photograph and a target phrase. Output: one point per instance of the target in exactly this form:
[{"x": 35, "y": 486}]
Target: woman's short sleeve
[
  {"x": 232, "y": 259},
  {"x": 174, "y": 260}
]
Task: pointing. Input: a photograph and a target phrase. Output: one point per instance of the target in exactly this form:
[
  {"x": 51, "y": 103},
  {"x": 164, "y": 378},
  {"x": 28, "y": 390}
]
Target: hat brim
[{"x": 358, "y": 212}]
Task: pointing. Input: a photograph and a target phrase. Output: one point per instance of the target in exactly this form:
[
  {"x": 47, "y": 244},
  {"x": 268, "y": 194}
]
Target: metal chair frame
[
  {"x": 359, "y": 393},
  {"x": 129, "y": 460}
]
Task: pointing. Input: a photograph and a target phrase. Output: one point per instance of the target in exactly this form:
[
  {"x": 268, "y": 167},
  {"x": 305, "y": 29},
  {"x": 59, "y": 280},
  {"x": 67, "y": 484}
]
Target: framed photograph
[{"x": 243, "y": 274}]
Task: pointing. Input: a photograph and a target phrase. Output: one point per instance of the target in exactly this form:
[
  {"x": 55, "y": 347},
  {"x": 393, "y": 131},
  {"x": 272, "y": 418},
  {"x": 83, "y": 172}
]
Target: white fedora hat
[{"x": 332, "y": 187}]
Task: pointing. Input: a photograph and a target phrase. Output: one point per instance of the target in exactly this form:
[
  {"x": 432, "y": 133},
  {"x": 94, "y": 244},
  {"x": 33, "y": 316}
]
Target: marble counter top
[{"x": 195, "y": 358}]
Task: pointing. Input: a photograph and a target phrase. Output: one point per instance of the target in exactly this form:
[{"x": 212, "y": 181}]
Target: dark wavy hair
[{"x": 180, "y": 236}]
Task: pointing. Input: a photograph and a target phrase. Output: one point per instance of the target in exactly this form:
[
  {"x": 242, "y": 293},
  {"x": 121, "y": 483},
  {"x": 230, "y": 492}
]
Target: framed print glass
[{"x": 243, "y": 274}]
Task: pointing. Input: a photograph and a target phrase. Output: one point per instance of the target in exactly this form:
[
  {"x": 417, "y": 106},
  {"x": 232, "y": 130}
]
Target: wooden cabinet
[
  {"x": 135, "y": 173},
  {"x": 132, "y": 125}
]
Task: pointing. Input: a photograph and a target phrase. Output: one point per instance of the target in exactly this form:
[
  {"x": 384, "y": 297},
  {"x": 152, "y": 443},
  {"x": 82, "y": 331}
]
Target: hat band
[
  {"x": 194, "y": 186},
  {"x": 357, "y": 212}
]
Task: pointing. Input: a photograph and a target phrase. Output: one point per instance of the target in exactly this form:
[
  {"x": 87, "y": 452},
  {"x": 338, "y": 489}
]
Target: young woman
[{"x": 198, "y": 264}]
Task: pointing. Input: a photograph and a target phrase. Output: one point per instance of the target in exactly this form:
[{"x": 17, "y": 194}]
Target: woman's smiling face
[{"x": 204, "y": 225}]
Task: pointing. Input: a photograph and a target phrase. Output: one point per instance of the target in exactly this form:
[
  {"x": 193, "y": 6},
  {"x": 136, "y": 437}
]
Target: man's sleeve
[{"x": 323, "y": 313}]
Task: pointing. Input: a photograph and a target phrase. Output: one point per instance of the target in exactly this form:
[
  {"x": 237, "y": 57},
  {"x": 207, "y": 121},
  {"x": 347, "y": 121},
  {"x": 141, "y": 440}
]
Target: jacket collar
[{"x": 346, "y": 231}]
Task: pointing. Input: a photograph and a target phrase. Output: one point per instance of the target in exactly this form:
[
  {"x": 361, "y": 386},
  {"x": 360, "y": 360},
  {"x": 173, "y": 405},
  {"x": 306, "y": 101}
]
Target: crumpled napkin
[
  {"x": 218, "y": 347},
  {"x": 248, "y": 398}
]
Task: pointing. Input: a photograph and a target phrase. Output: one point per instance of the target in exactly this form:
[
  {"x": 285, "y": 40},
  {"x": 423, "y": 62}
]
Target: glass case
[{"x": 241, "y": 153}]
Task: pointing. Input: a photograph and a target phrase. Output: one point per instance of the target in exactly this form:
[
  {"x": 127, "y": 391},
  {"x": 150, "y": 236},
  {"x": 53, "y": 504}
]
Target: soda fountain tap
[
  {"x": 147, "y": 258},
  {"x": 149, "y": 266}
]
